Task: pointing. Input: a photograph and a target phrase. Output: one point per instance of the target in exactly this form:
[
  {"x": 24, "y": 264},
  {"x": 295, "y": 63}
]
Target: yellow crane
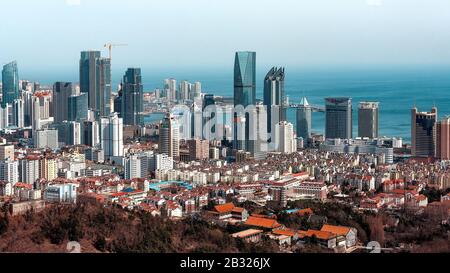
[{"x": 110, "y": 46}]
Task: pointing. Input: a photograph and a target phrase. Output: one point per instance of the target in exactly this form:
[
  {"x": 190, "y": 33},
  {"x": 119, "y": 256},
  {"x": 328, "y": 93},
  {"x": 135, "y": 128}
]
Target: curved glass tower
[
  {"x": 10, "y": 81},
  {"x": 244, "y": 95},
  {"x": 245, "y": 78}
]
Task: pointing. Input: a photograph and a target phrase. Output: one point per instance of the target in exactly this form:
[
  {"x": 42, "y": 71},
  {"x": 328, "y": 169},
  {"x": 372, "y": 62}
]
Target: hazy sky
[{"x": 47, "y": 35}]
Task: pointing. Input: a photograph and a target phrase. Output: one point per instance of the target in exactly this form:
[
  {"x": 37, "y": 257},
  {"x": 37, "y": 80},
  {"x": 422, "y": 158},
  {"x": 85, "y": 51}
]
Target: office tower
[
  {"x": 133, "y": 98},
  {"x": 18, "y": 113},
  {"x": 285, "y": 135},
  {"x": 61, "y": 93},
  {"x": 304, "y": 113},
  {"x": 9, "y": 170},
  {"x": 77, "y": 107},
  {"x": 91, "y": 133},
  {"x": 338, "y": 118},
  {"x": 46, "y": 138},
  {"x": 118, "y": 101},
  {"x": 443, "y": 139},
  {"x": 27, "y": 97},
  {"x": 198, "y": 149},
  {"x": 244, "y": 95},
  {"x": 6, "y": 151},
  {"x": 10, "y": 83},
  {"x": 274, "y": 97},
  {"x": 368, "y": 119},
  {"x": 423, "y": 132},
  {"x": 169, "y": 138},
  {"x": 111, "y": 133},
  {"x": 95, "y": 79}
]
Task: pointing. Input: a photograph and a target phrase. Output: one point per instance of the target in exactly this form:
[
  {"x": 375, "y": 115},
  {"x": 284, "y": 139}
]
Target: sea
[{"x": 397, "y": 89}]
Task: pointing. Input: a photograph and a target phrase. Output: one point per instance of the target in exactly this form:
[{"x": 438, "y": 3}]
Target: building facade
[{"x": 338, "y": 118}]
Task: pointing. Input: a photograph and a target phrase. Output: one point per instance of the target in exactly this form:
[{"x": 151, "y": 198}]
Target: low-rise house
[
  {"x": 323, "y": 238},
  {"x": 228, "y": 211},
  {"x": 249, "y": 235},
  {"x": 350, "y": 234},
  {"x": 262, "y": 223}
]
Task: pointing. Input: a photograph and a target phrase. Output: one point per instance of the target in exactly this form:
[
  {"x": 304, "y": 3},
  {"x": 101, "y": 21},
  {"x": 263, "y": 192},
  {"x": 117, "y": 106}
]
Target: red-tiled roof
[
  {"x": 262, "y": 222},
  {"x": 338, "y": 230},
  {"x": 228, "y": 207},
  {"x": 322, "y": 235}
]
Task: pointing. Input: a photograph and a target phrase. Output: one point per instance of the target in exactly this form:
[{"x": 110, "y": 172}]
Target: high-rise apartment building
[
  {"x": 198, "y": 149},
  {"x": 111, "y": 132},
  {"x": 368, "y": 119},
  {"x": 285, "y": 135}
]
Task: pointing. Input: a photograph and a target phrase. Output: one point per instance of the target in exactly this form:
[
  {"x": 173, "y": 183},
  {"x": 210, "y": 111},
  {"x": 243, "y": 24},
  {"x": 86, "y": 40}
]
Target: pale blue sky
[{"x": 47, "y": 35}]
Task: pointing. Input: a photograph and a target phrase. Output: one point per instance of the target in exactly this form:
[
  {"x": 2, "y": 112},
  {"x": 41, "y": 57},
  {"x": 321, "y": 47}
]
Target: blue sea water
[{"x": 397, "y": 89}]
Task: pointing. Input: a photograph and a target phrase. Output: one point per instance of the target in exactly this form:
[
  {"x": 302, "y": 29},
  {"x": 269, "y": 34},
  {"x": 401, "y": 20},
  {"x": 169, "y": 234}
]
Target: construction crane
[{"x": 110, "y": 46}]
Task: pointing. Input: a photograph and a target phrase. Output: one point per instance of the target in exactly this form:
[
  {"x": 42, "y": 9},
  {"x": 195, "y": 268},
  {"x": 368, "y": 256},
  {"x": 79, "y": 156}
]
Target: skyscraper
[
  {"x": 169, "y": 137},
  {"x": 132, "y": 97},
  {"x": 61, "y": 93},
  {"x": 368, "y": 119},
  {"x": 208, "y": 115},
  {"x": 77, "y": 107},
  {"x": 304, "y": 112},
  {"x": 443, "y": 139},
  {"x": 423, "y": 132},
  {"x": 244, "y": 94},
  {"x": 10, "y": 83},
  {"x": 338, "y": 118},
  {"x": 111, "y": 132},
  {"x": 274, "y": 97},
  {"x": 91, "y": 133},
  {"x": 95, "y": 79}
]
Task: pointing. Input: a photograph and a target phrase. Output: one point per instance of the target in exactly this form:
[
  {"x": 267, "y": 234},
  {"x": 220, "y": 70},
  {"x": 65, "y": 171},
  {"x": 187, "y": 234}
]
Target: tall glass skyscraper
[
  {"x": 77, "y": 107},
  {"x": 245, "y": 78},
  {"x": 10, "y": 83},
  {"x": 61, "y": 93},
  {"x": 132, "y": 97},
  {"x": 95, "y": 79},
  {"x": 244, "y": 95},
  {"x": 274, "y": 97},
  {"x": 338, "y": 120},
  {"x": 304, "y": 113}
]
